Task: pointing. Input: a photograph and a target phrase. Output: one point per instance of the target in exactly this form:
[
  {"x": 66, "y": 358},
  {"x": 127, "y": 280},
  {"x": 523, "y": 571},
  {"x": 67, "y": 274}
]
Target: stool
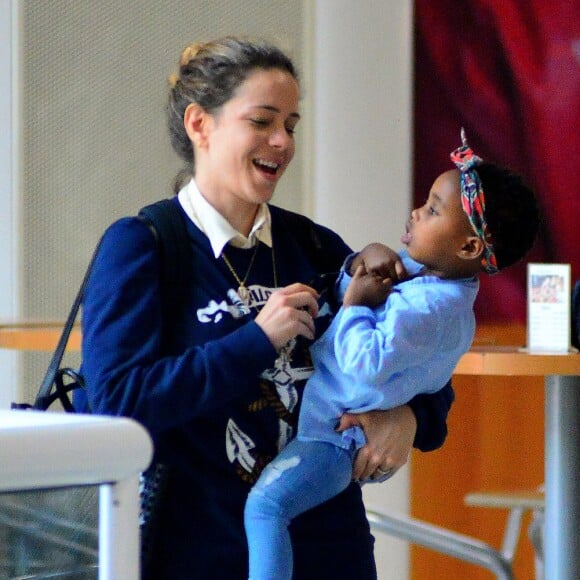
[{"x": 517, "y": 502}]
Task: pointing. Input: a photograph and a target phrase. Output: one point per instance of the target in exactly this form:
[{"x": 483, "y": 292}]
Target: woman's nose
[{"x": 280, "y": 138}]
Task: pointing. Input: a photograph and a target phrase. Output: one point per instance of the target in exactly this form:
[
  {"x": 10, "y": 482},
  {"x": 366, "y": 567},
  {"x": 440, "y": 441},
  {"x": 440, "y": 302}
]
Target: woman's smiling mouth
[{"x": 269, "y": 167}]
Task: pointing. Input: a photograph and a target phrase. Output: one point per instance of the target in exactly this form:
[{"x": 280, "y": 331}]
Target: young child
[{"x": 378, "y": 354}]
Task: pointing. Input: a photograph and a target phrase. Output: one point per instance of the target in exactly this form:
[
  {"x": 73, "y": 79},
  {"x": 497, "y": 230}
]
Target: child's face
[{"x": 437, "y": 231}]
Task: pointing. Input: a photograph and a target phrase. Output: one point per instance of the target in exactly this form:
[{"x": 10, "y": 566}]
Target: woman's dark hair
[
  {"x": 209, "y": 74},
  {"x": 511, "y": 212}
]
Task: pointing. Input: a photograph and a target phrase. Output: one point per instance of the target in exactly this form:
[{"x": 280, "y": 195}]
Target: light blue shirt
[{"x": 380, "y": 358}]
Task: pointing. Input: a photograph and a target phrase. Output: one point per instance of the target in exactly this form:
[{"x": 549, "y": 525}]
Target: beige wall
[{"x": 93, "y": 127}]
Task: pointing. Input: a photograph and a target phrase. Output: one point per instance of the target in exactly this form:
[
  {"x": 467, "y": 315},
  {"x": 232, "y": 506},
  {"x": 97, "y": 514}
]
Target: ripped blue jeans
[{"x": 304, "y": 475}]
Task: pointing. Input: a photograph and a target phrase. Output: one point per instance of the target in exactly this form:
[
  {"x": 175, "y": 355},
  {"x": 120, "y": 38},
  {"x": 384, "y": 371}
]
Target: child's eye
[
  {"x": 290, "y": 130},
  {"x": 431, "y": 210}
]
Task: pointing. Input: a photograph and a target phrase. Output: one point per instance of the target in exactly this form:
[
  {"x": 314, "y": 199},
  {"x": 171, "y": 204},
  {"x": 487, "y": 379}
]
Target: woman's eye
[
  {"x": 431, "y": 210},
  {"x": 260, "y": 122},
  {"x": 290, "y": 130}
]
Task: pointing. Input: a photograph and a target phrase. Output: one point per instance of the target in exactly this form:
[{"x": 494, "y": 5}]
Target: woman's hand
[
  {"x": 367, "y": 289},
  {"x": 390, "y": 436},
  {"x": 381, "y": 261},
  {"x": 289, "y": 312}
]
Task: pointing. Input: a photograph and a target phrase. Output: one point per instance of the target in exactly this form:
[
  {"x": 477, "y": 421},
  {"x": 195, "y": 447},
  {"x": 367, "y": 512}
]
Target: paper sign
[{"x": 549, "y": 299}]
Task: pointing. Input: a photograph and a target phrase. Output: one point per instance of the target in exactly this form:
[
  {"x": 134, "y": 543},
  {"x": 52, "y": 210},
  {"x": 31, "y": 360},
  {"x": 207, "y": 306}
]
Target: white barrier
[{"x": 56, "y": 450}]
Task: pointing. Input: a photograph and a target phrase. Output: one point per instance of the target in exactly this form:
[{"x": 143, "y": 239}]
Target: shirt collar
[{"x": 217, "y": 228}]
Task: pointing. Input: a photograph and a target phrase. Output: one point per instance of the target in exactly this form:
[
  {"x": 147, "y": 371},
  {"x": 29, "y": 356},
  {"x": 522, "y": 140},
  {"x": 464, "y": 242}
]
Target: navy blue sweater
[{"x": 213, "y": 400}]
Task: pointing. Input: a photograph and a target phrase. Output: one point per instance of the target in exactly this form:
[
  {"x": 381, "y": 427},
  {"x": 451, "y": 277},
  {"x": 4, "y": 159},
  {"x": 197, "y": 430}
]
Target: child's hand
[
  {"x": 367, "y": 289},
  {"x": 381, "y": 261}
]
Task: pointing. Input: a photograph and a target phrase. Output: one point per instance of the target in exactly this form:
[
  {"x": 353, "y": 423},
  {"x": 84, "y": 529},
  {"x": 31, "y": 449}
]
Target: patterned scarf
[{"x": 473, "y": 200}]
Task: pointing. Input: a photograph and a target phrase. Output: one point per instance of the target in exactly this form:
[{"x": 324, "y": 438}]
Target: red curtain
[{"x": 509, "y": 72}]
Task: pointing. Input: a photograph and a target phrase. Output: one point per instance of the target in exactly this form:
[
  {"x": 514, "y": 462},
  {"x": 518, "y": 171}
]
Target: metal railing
[{"x": 442, "y": 540}]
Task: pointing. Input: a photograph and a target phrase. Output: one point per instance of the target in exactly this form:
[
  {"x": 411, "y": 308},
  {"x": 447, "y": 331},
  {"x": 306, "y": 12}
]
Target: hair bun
[
  {"x": 190, "y": 52},
  {"x": 172, "y": 80}
]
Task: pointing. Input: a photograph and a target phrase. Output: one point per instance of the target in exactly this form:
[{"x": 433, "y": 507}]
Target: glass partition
[{"x": 49, "y": 534}]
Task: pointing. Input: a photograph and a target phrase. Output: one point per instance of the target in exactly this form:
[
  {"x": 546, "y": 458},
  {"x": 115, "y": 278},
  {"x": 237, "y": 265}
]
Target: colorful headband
[{"x": 473, "y": 200}]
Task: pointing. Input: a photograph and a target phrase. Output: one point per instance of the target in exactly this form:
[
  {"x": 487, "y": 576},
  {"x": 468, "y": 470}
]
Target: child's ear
[
  {"x": 196, "y": 122},
  {"x": 472, "y": 248}
]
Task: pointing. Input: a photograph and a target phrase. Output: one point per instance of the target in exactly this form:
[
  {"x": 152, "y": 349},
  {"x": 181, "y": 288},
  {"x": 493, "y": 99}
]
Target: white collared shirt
[{"x": 217, "y": 228}]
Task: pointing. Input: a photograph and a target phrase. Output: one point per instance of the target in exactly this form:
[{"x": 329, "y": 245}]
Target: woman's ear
[
  {"x": 196, "y": 122},
  {"x": 472, "y": 248}
]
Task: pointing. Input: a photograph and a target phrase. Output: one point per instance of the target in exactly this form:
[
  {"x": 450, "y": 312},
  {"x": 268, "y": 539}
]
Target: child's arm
[
  {"x": 366, "y": 289},
  {"x": 377, "y": 345},
  {"x": 376, "y": 259},
  {"x": 381, "y": 261}
]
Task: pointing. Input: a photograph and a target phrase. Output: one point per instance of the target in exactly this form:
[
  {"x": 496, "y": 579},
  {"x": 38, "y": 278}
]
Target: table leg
[{"x": 562, "y": 473}]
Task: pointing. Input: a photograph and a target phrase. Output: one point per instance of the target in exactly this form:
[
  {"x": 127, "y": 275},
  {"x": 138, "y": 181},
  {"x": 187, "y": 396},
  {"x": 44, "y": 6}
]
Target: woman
[{"x": 220, "y": 393}]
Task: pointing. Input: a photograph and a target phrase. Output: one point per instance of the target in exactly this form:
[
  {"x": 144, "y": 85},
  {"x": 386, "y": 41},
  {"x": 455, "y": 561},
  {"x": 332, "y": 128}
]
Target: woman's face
[{"x": 249, "y": 142}]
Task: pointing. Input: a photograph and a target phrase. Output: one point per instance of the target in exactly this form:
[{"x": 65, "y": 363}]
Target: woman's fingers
[
  {"x": 389, "y": 435},
  {"x": 299, "y": 296},
  {"x": 289, "y": 312}
]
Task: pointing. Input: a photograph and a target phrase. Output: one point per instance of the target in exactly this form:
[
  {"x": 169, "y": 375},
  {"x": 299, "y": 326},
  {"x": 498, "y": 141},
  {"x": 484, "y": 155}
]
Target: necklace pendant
[{"x": 244, "y": 294}]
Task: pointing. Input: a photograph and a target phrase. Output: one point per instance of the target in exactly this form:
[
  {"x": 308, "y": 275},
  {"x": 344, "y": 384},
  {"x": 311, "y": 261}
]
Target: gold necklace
[{"x": 243, "y": 291}]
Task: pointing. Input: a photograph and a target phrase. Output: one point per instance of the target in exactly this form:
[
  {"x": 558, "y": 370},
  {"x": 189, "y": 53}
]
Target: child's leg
[{"x": 305, "y": 474}]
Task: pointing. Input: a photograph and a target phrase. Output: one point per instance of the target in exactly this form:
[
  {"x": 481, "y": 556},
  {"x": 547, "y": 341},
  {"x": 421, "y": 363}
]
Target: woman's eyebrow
[{"x": 275, "y": 110}]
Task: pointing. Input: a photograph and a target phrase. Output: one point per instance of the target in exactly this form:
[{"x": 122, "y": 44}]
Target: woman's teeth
[{"x": 269, "y": 166}]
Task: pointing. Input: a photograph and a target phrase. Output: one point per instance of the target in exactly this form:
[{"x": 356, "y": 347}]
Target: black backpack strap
[
  {"x": 325, "y": 250},
  {"x": 54, "y": 374},
  {"x": 305, "y": 232},
  {"x": 166, "y": 220}
]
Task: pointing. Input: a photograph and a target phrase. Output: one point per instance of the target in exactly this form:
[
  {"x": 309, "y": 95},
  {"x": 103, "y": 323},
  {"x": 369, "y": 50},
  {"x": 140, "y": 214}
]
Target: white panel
[
  {"x": 362, "y": 118},
  {"x": 9, "y": 239},
  {"x": 361, "y": 158}
]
